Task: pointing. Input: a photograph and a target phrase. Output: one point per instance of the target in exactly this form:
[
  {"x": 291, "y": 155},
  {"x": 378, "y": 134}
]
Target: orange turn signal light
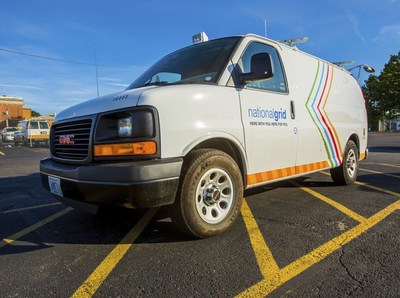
[{"x": 140, "y": 148}]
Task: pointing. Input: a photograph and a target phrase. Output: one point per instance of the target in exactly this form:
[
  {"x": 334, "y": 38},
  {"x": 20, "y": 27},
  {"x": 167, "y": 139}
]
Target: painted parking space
[{"x": 275, "y": 276}]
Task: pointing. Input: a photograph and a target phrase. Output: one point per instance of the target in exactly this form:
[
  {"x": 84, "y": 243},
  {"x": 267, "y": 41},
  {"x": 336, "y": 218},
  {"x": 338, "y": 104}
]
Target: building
[
  {"x": 26, "y": 112},
  {"x": 12, "y": 110}
]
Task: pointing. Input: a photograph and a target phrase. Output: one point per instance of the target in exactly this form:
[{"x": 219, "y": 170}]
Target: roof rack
[
  {"x": 340, "y": 64},
  {"x": 292, "y": 42}
]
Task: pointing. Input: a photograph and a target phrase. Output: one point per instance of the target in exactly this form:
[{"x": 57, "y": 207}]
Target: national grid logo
[{"x": 275, "y": 117}]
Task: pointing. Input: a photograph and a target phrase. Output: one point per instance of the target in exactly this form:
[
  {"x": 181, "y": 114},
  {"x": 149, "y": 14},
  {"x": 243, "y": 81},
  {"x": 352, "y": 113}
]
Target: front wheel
[
  {"x": 347, "y": 173},
  {"x": 210, "y": 194}
]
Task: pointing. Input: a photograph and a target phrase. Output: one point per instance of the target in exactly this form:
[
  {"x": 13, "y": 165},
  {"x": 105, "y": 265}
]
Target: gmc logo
[{"x": 66, "y": 140}]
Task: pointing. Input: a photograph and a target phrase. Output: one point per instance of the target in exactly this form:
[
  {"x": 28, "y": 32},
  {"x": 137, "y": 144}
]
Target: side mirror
[{"x": 260, "y": 69}]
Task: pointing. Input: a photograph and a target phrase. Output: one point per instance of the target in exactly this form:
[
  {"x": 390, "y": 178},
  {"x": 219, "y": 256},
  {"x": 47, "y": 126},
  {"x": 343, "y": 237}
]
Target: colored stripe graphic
[
  {"x": 286, "y": 172},
  {"x": 316, "y": 103}
]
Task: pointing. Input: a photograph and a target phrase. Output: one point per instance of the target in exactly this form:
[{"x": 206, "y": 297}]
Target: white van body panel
[
  {"x": 190, "y": 114},
  {"x": 110, "y": 102},
  {"x": 329, "y": 109}
]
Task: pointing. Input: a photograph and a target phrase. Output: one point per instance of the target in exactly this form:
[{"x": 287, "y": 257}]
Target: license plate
[
  {"x": 55, "y": 186},
  {"x": 43, "y": 132}
]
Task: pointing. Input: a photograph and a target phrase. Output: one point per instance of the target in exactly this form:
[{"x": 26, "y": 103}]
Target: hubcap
[
  {"x": 214, "y": 196},
  {"x": 351, "y": 163}
]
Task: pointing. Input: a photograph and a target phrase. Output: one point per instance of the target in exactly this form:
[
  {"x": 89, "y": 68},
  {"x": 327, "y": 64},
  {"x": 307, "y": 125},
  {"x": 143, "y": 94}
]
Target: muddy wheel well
[{"x": 229, "y": 148}]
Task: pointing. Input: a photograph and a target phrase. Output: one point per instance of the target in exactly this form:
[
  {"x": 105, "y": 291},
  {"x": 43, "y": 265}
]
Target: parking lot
[{"x": 305, "y": 237}]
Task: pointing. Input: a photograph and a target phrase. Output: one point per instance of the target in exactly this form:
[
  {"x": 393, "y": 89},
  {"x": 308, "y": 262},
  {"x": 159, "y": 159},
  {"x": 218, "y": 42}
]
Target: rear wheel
[
  {"x": 347, "y": 173},
  {"x": 210, "y": 194}
]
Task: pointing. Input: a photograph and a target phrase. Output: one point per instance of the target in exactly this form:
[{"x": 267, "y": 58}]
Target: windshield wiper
[{"x": 153, "y": 84}]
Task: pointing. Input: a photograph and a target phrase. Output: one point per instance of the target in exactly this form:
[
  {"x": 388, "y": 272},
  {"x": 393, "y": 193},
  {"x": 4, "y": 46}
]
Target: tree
[
  {"x": 382, "y": 92},
  {"x": 35, "y": 114},
  {"x": 371, "y": 94}
]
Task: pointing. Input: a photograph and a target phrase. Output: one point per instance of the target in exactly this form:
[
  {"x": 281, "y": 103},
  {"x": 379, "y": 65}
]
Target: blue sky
[{"x": 129, "y": 36}]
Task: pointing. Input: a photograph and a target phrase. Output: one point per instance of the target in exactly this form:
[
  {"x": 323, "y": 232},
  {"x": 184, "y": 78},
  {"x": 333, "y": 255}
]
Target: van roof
[{"x": 294, "y": 48}]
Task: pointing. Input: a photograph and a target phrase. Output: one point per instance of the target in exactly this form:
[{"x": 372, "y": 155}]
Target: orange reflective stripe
[
  {"x": 39, "y": 136},
  {"x": 286, "y": 172}
]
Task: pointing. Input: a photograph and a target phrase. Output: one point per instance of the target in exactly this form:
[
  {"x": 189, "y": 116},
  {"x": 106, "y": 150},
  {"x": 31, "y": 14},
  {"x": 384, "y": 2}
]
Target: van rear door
[{"x": 38, "y": 130}]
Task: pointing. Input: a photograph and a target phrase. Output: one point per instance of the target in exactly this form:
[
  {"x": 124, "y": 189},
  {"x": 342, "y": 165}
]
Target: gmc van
[
  {"x": 203, "y": 124},
  {"x": 32, "y": 131}
]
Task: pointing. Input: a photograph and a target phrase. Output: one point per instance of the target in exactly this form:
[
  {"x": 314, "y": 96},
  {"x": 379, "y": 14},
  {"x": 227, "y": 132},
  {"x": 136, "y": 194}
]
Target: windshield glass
[{"x": 201, "y": 63}]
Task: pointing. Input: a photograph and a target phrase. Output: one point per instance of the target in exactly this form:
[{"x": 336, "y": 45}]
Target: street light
[{"x": 366, "y": 67}]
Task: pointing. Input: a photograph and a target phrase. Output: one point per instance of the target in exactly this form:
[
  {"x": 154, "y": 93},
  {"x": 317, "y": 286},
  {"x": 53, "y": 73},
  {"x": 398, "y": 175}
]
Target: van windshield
[{"x": 200, "y": 63}]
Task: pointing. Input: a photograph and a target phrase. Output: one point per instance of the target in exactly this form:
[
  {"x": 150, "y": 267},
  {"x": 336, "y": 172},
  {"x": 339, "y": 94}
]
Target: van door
[
  {"x": 269, "y": 121},
  {"x": 38, "y": 130}
]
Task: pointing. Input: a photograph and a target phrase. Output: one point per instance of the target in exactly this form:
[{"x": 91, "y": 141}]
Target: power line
[{"x": 69, "y": 61}]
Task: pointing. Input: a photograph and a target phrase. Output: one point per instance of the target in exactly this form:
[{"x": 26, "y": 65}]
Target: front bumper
[
  {"x": 141, "y": 184},
  {"x": 9, "y": 137}
]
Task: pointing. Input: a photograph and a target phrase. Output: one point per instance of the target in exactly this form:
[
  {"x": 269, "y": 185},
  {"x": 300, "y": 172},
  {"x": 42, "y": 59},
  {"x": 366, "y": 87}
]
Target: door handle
[{"x": 292, "y": 110}]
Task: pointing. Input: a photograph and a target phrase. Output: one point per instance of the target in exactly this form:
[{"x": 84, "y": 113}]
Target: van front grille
[{"x": 71, "y": 140}]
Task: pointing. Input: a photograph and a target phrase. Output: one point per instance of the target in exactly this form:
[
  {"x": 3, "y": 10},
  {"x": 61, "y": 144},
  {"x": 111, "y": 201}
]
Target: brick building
[{"x": 12, "y": 108}]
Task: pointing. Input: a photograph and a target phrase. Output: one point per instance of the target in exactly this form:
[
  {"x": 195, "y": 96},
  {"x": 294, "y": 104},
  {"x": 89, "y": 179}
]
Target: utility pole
[{"x": 6, "y": 113}]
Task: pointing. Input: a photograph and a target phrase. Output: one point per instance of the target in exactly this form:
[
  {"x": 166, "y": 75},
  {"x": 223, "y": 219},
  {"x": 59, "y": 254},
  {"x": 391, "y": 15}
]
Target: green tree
[
  {"x": 382, "y": 92},
  {"x": 35, "y": 114},
  {"x": 371, "y": 94}
]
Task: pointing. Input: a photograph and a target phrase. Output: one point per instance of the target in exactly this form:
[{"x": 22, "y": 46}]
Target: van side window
[{"x": 277, "y": 83}]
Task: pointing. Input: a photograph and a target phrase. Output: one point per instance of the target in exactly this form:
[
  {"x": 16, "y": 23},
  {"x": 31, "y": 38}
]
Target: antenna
[
  {"x": 199, "y": 37},
  {"x": 97, "y": 76},
  {"x": 265, "y": 28}
]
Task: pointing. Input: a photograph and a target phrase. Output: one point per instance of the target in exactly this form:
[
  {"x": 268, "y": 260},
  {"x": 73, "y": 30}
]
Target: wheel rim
[
  {"x": 351, "y": 163},
  {"x": 214, "y": 196}
]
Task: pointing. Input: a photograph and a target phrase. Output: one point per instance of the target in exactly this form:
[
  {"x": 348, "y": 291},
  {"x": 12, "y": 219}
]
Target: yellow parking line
[
  {"x": 1, "y": 153},
  {"x": 94, "y": 281},
  {"x": 265, "y": 260},
  {"x": 380, "y": 173},
  {"x": 327, "y": 200},
  {"x": 389, "y": 192},
  {"x": 266, "y": 286},
  {"x": 33, "y": 227},
  {"x": 32, "y": 207}
]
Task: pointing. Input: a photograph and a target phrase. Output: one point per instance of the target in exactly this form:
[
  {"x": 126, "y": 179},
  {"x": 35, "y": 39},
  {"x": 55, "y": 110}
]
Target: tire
[
  {"x": 347, "y": 173},
  {"x": 210, "y": 194}
]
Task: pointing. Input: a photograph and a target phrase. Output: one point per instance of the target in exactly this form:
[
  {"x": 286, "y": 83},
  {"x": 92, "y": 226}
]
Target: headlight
[
  {"x": 125, "y": 127},
  {"x": 130, "y": 124},
  {"x": 127, "y": 132}
]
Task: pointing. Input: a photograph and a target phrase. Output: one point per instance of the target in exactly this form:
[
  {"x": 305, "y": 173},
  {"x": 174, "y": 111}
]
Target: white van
[
  {"x": 32, "y": 131},
  {"x": 203, "y": 124}
]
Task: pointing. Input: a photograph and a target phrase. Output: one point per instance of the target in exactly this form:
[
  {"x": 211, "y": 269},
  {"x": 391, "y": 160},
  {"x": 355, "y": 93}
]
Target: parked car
[{"x": 7, "y": 134}]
